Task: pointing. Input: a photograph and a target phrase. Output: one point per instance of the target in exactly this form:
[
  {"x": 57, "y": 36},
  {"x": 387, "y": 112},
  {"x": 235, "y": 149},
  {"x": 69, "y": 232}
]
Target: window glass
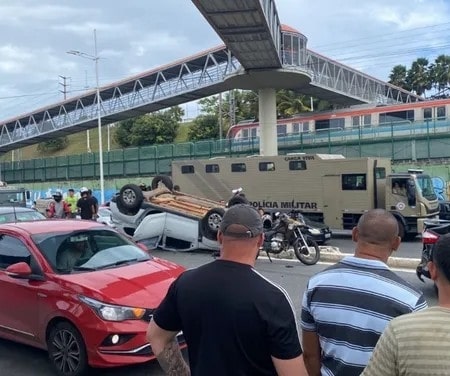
[
  {"x": 306, "y": 126},
  {"x": 353, "y": 182},
  {"x": 427, "y": 113},
  {"x": 440, "y": 113},
  {"x": 367, "y": 120},
  {"x": 12, "y": 251},
  {"x": 281, "y": 129},
  {"x": 266, "y": 166},
  {"x": 296, "y": 128},
  {"x": 245, "y": 133},
  {"x": 253, "y": 131},
  {"x": 297, "y": 165},
  {"x": 355, "y": 121},
  {"x": 187, "y": 169},
  {"x": 212, "y": 168},
  {"x": 238, "y": 167}
]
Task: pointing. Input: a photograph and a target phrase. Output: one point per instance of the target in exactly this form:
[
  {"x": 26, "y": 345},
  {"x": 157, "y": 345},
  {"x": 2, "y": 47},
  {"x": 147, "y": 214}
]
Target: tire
[
  {"x": 130, "y": 198},
  {"x": 166, "y": 180},
  {"x": 65, "y": 337},
  {"x": 210, "y": 223},
  {"x": 304, "y": 255}
]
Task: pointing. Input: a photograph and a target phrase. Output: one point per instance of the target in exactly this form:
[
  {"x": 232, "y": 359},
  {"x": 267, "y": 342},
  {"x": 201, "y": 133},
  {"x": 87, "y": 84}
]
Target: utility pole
[{"x": 64, "y": 85}]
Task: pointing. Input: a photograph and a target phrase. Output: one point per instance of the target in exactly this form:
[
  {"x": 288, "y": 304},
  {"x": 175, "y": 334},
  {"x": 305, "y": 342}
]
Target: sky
[{"x": 138, "y": 35}]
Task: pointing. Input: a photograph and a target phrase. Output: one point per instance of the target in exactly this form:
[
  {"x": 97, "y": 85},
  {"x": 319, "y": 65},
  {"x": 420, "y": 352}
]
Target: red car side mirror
[{"x": 19, "y": 270}]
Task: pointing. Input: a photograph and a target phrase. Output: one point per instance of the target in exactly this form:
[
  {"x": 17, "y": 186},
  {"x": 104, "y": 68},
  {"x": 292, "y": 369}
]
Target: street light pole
[
  {"x": 99, "y": 121},
  {"x": 95, "y": 58}
]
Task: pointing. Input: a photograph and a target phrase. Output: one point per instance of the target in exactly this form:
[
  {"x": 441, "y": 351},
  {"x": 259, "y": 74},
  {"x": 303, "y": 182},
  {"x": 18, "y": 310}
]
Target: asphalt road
[
  {"x": 407, "y": 249},
  {"x": 25, "y": 361}
]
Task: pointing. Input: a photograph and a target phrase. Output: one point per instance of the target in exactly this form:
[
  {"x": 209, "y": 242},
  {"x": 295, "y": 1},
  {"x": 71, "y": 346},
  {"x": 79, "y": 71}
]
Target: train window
[
  {"x": 354, "y": 182},
  {"x": 212, "y": 168},
  {"x": 355, "y": 121},
  {"x": 245, "y": 133},
  {"x": 337, "y": 123},
  {"x": 427, "y": 113},
  {"x": 253, "y": 132},
  {"x": 238, "y": 167},
  {"x": 396, "y": 116},
  {"x": 281, "y": 129},
  {"x": 297, "y": 165},
  {"x": 440, "y": 113},
  {"x": 187, "y": 169},
  {"x": 296, "y": 128},
  {"x": 266, "y": 166},
  {"x": 380, "y": 173},
  {"x": 368, "y": 120},
  {"x": 305, "y": 126},
  {"x": 322, "y": 124}
]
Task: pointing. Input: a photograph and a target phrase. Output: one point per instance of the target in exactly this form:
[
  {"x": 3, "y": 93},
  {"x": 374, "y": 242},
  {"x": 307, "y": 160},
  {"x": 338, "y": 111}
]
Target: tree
[
  {"x": 290, "y": 103},
  {"x": 156, "y": 128},
  {"x": 440, "y": 72},
  {"x": 53, "y": 145},
  {"x": 398, "y": 76},
  {"x": 204, "y": 127},
  {"x": 418, "y": 77}
]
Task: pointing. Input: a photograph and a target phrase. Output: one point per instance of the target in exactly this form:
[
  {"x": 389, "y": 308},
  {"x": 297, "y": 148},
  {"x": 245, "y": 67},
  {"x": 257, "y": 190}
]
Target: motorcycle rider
[
  {"x": 86, "y": 205},
  {"x": 58, "y": 208}
]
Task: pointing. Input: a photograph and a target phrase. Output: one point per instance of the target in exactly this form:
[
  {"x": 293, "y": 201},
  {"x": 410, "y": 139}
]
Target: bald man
[
  {"x": 347, "y": 306},
  {"x": 235, "y": 321}
]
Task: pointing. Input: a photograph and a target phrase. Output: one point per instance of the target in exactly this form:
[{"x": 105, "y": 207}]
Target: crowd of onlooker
[
  {"x": 84, "y": 207},
  {"x": 358, "y": 317}
]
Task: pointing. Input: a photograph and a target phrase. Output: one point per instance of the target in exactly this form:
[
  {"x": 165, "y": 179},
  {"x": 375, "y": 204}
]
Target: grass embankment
[{"x": 77, "y": 144}]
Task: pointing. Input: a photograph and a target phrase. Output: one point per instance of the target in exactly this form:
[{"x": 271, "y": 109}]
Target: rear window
[
  {"x": 238, "y": 167},
  {"x": 266, "y": 166},
  {"x": 187, "y": 169},
  {"x": 212, "y": 168},
  {"x": 297, "y": 165}
]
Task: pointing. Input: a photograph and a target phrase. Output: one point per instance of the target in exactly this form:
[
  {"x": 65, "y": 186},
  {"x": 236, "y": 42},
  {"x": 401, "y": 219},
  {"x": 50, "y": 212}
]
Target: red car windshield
[{"x": 81, "y": 251}]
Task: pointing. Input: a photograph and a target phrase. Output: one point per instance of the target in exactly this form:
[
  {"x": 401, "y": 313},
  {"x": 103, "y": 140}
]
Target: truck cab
[{"x": 411, "y": 198}]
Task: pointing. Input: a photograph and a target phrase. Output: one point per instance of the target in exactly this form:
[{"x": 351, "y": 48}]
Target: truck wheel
[
  {"x": 130, "y": 197},
  {"x": 166, "y": 180},
  {"x": 210, "y": 223}
]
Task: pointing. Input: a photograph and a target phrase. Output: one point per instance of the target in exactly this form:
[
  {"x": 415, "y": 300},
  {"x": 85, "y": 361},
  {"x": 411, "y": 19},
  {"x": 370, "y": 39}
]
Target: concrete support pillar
[{"x": 268, "y": 142}]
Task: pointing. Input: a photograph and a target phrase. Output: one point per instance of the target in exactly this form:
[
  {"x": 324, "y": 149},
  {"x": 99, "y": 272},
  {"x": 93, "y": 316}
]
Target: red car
[{"x": 81, "y": 291}]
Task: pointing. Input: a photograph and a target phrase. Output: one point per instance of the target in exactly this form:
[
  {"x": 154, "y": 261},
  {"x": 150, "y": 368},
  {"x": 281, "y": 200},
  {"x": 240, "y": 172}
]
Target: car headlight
[
  {"x": 314, "y": 231},
  {"x": 111, "y": 312}
]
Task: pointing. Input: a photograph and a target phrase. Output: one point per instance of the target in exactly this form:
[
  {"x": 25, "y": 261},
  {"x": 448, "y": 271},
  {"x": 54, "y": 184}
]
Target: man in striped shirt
[
  {"x": 347, "y": 306},
  {"x": 418, "y": 344}
]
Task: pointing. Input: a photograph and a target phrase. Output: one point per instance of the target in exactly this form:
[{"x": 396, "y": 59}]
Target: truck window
[
  {"x": 354, "y": 182},
  {"x": 266, "y": 166},
  {"x": 297, "y": 165},
  {"x": 380, "y": 173},
  {"x": 187, "y": 169},
  {"x": 238, "y": 167},
  {"x": 212, "y": 168}
]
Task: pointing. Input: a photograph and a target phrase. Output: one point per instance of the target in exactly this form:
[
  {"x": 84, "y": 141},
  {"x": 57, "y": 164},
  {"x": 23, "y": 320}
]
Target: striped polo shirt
[{"x": 349, "y": 305}]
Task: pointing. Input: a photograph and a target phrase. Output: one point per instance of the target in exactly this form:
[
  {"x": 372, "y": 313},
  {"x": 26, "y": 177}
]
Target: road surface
[{"x": 293, "y": 276}]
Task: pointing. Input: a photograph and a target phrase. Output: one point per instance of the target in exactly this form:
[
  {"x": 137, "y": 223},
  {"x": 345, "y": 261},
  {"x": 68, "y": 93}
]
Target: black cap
[{"x": 247, "y": 220}]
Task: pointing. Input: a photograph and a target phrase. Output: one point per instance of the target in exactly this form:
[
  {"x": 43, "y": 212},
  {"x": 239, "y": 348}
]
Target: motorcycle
[
  {"x": 430, "y": 235},
  {"x": 287, "y": 232}
]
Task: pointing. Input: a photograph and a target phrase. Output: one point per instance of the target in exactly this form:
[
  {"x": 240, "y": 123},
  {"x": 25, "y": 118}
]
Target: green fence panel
[
  {"x": 116, "y": 155},
  {"x": 131, "y": 154},
  {"x": 88, "y": 171},
  {"x": 131, "y": 168},
  {"x": 74, "y": 172},
  {"x": 28, "y": 164},
  {"x": 62, "y": 161},
  {"x": 147, "y": 166},
  {"x": 50, "y": 173},
  {"x": 184, "y": 150},
  {"x": 74, "y": 159},
  {"x": 116, "y": 169},
  {"x": 39, "y": 163},
  {"x": 165, "y": 151},
  {"x": 62, "y": 173},
  {"x": 87, "y": 158},
  {"x": 28, "y": 175},
  {"x": 50, "y": 162},
  {"x": 148, "y": 152}
]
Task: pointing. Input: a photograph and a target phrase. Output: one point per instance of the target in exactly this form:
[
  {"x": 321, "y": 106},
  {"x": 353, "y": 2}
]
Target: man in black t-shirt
[
  {"x": 235, "y": 321},
  {"x": 86, "y": 205}
]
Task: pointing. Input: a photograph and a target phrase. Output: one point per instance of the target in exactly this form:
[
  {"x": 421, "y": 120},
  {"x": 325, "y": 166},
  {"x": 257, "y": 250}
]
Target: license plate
[{"x": 327, "y": 236}]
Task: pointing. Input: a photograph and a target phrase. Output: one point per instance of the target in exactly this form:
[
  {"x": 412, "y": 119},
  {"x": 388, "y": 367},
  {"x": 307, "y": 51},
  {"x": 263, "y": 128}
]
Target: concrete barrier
[{"x": 333, "y": 254}]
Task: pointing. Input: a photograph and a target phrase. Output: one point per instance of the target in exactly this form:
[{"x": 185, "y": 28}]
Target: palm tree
[
  {"x": 440, "y": 72},
  {"x": 290, "y": 103},
  {"x": 418, "y": 76},
  {"x": 398, "y": 77}
]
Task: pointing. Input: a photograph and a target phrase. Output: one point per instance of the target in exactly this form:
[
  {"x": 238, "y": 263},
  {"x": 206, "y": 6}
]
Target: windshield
[
  {"x": 426, "y": 188},
  {"x": 12, "y": 197},
  {"x": 80, "y": 251},
  {"x": 21, "y": 216}
]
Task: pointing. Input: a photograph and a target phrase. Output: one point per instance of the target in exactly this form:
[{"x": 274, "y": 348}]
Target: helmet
[
  {"x": 84, "y": 190},
  {"x": 57, "y": 196}
]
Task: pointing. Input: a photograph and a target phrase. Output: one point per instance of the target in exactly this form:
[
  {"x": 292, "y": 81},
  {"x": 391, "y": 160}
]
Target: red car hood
[{"x": 143, "y": 284}]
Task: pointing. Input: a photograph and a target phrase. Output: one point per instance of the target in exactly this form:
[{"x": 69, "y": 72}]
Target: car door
[{"x": 19, "y": 313}]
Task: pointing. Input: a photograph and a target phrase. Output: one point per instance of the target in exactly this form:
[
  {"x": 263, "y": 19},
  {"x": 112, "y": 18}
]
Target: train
[{"x": 364, "y": 119}]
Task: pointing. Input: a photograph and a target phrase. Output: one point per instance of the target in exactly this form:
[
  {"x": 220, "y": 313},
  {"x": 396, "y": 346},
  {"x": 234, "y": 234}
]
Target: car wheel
[
  {"x": 166, "y": 180},
  {"x": 211, "y": 222},
  {"x": 67, "y": 350},
  {"x": 130, "y": 197}
]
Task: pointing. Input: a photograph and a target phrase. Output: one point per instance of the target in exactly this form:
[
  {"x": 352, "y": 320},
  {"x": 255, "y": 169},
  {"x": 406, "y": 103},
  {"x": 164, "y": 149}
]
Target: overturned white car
[{"x": 167, "y": 219}]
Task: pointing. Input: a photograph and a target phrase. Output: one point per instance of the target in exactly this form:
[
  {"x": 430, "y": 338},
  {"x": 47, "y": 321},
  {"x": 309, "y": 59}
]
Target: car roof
[
  {"x": 59, "y": 225},
  {"x": 12, "y": 209}
]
